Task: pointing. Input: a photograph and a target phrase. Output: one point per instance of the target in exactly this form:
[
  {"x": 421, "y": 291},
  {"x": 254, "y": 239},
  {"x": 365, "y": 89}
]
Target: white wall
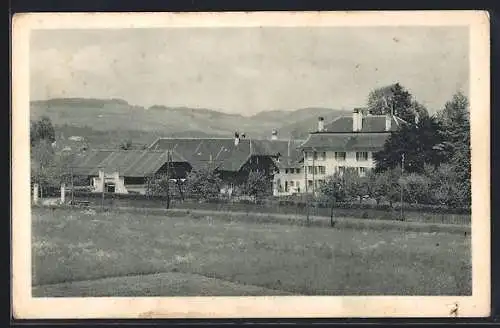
[
  {"x": 282, "y": 177},
  {"x": 115, "y": 178},
  {"x": 331, "y": 163},
  {"x": 331, "y": 166}
]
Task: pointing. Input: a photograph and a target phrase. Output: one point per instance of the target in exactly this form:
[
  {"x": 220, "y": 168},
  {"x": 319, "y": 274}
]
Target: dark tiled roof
[
  {"x": 129, "y": 163},
  {"x": 346, "y": 141},
  {"x": 290, "y": 155},
  {"x": 371, "y": 123},
  {"x": 224, "y": 153}
]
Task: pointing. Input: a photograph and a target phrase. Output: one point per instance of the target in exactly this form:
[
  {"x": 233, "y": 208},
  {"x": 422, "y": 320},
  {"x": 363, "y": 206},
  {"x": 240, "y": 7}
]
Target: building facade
[{"x": 346, "y": 142}]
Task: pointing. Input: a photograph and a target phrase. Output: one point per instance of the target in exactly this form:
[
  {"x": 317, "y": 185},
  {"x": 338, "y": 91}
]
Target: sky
[{"x": 252, "y": 69}]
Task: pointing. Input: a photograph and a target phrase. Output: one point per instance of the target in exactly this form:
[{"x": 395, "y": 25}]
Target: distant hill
[{"x": 117, "y": 117}]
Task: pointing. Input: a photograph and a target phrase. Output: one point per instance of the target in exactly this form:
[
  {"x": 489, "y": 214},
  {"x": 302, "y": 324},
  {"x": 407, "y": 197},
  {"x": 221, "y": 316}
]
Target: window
[
  {"x": 322, "y": 155},
  {"x": 322, "y": 169},
  {"x": 362, "y": 171},
  {"x": 309, "y": 183},
  {"x": 286, "y": 186},
  {"x": 310, "y": 170},
  {"x": 340, "y": 155},
  {"x": 292, "y": 171},
  {"x": 110, "y": 187},
  {"x": 297, "y": 171},
  {"x": 291, "y": 183},
  {"x": 341, "y": 170},
  {"x": 362, "y": 156},
  {"x": 315, "y": 154},
  {"x": 286, "y": 171}
]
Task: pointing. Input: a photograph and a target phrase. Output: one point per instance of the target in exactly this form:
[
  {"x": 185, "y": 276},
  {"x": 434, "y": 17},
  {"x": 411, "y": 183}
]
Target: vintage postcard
[{"x": 251, "y": 165}]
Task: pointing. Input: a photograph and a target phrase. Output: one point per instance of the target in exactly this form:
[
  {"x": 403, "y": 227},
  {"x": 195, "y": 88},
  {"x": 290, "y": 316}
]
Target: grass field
[{"x": 79, "y": 253}]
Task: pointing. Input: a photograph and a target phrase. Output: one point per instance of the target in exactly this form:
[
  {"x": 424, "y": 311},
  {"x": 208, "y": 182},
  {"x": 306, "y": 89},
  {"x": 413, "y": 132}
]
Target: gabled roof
[
  {"x": 346, "y": 141},
  {"x": 371, "y": 123},
  {"x": 224, "y": 154},
  {"x": 289, "y": 154},
  {"x": 129, "y": 163}
]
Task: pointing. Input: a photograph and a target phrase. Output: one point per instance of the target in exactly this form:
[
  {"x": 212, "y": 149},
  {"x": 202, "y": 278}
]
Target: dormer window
[{"x": 340, "y": 156}]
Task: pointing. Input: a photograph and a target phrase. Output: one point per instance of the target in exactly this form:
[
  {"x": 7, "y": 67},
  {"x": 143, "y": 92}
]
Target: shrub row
[{"x": 440, "y": 209}]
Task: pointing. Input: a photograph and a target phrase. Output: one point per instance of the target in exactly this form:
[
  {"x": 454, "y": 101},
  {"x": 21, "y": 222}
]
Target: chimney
[
  {"x": 321, "y": 124},
  {"x": 388, "y": 122},
  {"x": 355, "y": 120},
  {"x": 274, "y": 135},
  {"x": 236, "y": 138}
]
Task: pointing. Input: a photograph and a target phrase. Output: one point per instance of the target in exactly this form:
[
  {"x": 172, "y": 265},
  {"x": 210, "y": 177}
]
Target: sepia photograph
[{"x": 341, "y": 158}]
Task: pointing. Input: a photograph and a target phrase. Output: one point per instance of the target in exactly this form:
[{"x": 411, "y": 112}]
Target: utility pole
[
  {"x": 401, "y": 188},
  {"x": 103, "y": 187},
  {"x": 307, "y": 194},
  {"x": 72, "y": 186},
  {"x": 168, "y": 177},
  {"x": 314, "y": 172}
]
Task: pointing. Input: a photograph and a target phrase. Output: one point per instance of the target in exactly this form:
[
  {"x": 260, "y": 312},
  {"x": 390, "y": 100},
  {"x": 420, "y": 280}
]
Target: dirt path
[{"x": 160, "y": 284}]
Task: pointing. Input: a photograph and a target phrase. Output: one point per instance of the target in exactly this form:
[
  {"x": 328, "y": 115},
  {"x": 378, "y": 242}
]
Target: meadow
[{"x": 112, "y": 253}]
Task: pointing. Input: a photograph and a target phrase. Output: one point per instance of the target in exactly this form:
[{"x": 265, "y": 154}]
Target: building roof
[
  {"x": 129, "y": 163},
  {"x": 346, "y": 141},
  {"x": 223, "y": 153},
  {"x": 371, "y": 123}
]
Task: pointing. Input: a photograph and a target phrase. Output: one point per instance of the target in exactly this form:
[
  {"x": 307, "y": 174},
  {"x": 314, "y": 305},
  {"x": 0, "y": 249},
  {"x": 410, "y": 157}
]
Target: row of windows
[
  {"x": 317, "y": 182},
  {"x": 322, "y": 170},
  {"x": 361, "y": 170},
  {"x": 339, "y": 155},
  {"x": 316, "y": 170},
  {"x": 316, "y": 155}
]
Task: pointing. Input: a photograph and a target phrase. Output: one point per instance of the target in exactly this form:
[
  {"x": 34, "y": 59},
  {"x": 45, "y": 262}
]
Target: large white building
[{"x": 348, "y": 141}]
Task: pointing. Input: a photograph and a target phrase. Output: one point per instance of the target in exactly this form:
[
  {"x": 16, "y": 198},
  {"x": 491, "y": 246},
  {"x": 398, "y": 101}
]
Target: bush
[{"x": 416, "y": 188}]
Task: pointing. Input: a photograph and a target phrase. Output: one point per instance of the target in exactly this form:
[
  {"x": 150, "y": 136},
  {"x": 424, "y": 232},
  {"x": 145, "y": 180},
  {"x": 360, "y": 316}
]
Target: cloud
[{"x": 249, "y": 69}]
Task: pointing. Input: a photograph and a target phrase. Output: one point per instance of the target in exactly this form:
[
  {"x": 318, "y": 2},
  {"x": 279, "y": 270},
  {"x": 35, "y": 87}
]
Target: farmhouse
[
  {"x": 234, "y": 157},
  {"x": 126, "y": 171}
]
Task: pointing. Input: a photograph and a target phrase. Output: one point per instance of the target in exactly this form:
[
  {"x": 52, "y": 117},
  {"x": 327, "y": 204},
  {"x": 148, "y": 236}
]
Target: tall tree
[
  {"x": 394, "y": 99},
  {"x": 418, "y": 144},
  {"x": 42, "y": 130},
  {"x": 455, "y": 122},
  {"x": 43, "y": 170}
]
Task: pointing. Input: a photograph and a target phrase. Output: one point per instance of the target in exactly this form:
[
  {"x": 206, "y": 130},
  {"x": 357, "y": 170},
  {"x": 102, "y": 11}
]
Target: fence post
[
  {"x": 63, "y": 193},
  {"x": 35, "y": 193}
]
